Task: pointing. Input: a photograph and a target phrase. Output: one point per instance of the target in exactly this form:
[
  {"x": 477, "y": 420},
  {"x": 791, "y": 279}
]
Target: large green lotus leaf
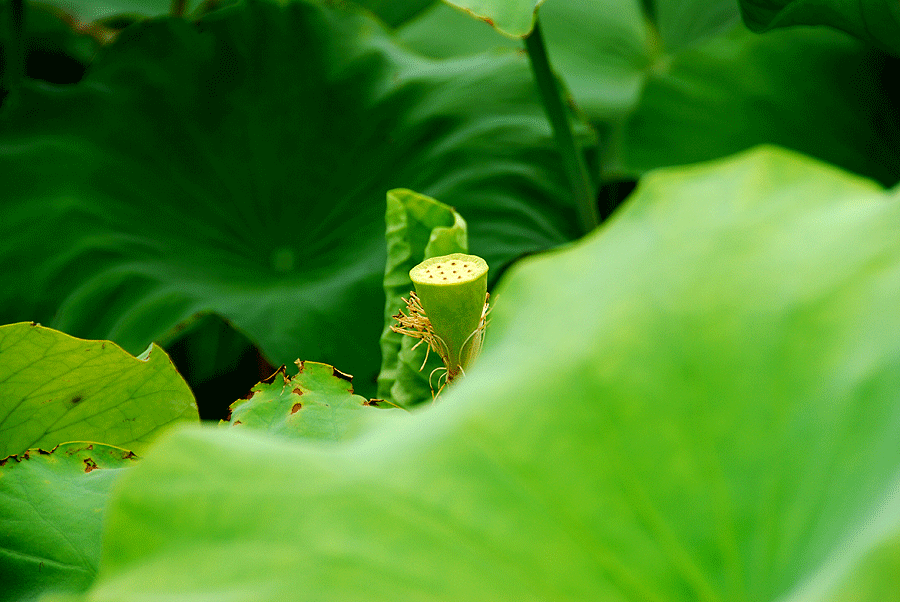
[
  {"x": 56, "y": 388},
  {"x": 875, "y": 21},
  {"x": 316, "y": 403},
  {"x": 240, "y": 167},
  {"x": 51, "y": 512},
  {"x": 417, "y": 228},
  {"x": 814, "y": 90},
  {"x": 700, "y": 401},
  {"x": 513, "y": 18}
]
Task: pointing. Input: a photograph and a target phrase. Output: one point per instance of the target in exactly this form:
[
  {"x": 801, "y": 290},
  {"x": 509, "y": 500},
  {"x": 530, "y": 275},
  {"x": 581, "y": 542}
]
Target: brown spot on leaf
[
  {"x": 489, "y": 21},
  {"x": 90, "y": 446},
  {"x": 237, "y": 422},
  {"x": 129, "y": 455},
  {"x": 76, "y": 399},
  {"x": 298, "y": 391},
  {"x": 296, "y": 408},
  {"x": 90, "y": 465},
  {"x": 373, "y": 402}
]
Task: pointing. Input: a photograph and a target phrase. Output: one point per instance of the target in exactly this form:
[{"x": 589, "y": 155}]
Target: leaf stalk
[{"x": 574, "y": 163}]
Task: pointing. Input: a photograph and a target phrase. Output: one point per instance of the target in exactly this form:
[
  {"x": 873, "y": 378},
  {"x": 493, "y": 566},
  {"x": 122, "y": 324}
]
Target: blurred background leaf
[
  {"x": 873, "y": 21},
  {"x": 692, "y": 83},
  {"x": 239, "y": 167},
  {"x": 55, "y": 51},
  {"x": 513, "y": 18},
  {"x": 394, "y": 13}
]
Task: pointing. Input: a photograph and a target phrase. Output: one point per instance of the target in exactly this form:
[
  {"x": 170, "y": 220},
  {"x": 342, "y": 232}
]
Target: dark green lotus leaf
[
  {"x": 875, "y": 21},
  {"x": 418, "y": 227},
  {"x": 51, "y": 513},
  {"x": 316, "y": 403},
  {"x": 701, "y": 401},
  {"x": 239, "y": 166},
  {"x": 56, "y": 388}
]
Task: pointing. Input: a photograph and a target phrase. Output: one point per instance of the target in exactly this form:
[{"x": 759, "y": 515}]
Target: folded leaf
[{"x": 418, "y": 227}]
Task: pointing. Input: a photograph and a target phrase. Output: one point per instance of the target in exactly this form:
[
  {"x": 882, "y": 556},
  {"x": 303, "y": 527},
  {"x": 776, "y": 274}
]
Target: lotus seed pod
[{"x": 452, "y": 291}]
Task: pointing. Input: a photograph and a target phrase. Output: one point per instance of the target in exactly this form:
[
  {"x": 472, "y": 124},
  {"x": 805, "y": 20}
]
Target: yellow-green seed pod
[{"x": 452, "y": 291}]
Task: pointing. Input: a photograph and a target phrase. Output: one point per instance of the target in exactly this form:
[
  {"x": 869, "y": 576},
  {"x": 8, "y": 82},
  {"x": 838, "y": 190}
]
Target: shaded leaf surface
[
  {"x": 316, "y": 403},
  {"x": 51, "y": 512},
  {"x": 56, "y": 388},
  {"x": 417, "y": 228},
  {"x": 698, "y": 402},
  {"x": 240, "y": 167},
  {"x": 874, "y": 21}
]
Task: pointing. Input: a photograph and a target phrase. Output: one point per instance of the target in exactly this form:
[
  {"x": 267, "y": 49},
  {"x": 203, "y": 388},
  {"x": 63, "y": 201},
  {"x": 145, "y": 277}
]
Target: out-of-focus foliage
[
  {"x": 239, "y": 166},
  {"x": 694, "y": 84},
  {"x": 875, "y": 21}
]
